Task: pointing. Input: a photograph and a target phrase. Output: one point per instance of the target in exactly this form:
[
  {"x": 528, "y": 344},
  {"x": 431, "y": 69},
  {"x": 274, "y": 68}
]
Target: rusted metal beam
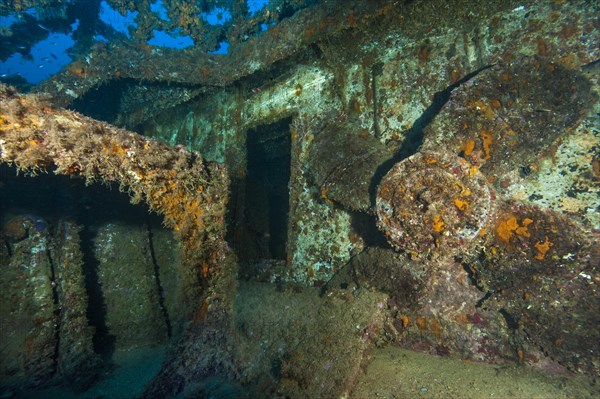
[{"x": 189, "y": 192}]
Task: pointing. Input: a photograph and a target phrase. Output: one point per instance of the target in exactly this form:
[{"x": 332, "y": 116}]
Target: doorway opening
[{"x": 266, "y": 192}]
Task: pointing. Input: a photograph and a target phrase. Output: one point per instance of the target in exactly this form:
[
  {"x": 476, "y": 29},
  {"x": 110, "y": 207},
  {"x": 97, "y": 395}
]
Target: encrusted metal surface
[{"x": 434, "y": 205}]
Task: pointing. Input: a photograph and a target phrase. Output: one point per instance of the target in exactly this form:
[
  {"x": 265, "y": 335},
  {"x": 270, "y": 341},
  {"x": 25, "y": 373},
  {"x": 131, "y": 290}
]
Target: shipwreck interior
[
  {"x": 299, "y": 199},
  {"x": 37, "y": 214}
]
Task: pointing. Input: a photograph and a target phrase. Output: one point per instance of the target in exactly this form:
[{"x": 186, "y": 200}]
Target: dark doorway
[{"x": 267, "y": 194}]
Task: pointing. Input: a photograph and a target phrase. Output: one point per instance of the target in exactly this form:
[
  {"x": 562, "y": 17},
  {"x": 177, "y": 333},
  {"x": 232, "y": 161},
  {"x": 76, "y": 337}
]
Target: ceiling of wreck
[
  {"x": 207, "y": 26},
  {"x": 142, "y": 57},
  {"x": 177, "y": 42},
  {"x": 187, "y": 45}
]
